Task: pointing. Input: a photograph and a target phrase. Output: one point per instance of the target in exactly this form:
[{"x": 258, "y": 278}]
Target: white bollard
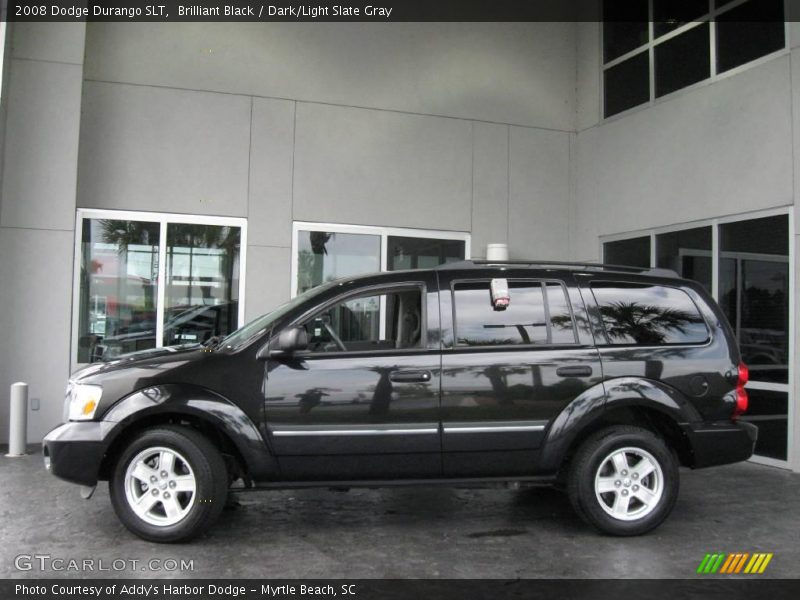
[{"x": 18, "y": 420}]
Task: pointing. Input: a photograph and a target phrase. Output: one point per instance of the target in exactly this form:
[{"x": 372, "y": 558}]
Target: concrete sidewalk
[{"x": 433, "y": 532}]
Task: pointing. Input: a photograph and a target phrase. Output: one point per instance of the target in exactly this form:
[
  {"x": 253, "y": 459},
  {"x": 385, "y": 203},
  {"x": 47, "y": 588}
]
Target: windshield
[{"x": 260, "y": 325}]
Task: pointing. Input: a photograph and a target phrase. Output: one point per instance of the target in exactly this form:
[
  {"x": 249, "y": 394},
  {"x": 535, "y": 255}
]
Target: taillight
[{"x": 741, "y": 393}]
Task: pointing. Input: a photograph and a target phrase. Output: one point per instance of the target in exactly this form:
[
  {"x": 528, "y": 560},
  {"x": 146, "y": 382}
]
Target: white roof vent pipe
[{"x": 498, "y": 252}]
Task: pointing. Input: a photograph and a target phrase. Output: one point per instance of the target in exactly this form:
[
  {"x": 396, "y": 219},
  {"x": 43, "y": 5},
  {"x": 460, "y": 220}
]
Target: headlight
[{"x": 83, "y": 401}]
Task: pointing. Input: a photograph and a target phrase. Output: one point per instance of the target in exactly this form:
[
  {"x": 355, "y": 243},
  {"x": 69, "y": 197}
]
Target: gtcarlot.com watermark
[{"x": 48, "y": 562}]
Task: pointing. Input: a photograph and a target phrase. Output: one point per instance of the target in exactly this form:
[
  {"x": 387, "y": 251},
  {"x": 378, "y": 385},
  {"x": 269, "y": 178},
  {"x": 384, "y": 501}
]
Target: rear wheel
[
  {"x": 169, "y": 484},
  {"x": 623, "y": 480}
]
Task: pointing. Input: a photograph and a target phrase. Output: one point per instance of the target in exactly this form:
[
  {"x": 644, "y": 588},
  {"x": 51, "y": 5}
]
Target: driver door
[{"x": 362, "y": 401}]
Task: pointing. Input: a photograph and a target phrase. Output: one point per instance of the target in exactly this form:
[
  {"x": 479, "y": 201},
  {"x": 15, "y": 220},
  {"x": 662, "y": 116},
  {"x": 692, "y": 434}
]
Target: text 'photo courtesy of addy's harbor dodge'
[{"x": 183, "y": 590}]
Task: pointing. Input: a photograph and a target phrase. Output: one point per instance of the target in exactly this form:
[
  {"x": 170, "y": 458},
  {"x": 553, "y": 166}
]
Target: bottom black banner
[{"x": 420, "y": 589}]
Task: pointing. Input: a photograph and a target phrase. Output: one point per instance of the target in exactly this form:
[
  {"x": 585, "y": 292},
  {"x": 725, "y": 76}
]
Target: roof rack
[{"x": 589, "y": 266}]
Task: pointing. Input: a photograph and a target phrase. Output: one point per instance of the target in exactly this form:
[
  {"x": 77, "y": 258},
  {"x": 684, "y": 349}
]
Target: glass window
[
  {"x": 626, "y": 84},
  {"x": 682, "y": 60},
  {"x": 527, "y": 320},
  {"x": 634, "y": 252},
  {"x": 202, "y": 274},
  {"x": 355, "y": 324},
  {"x": 749, "y": 31},
  {"x": 668, "y": 15},
  {"x": 324, "y": 256},
  {"x": 754, "y": 292},
  {"x": 744, "y": 31},
  {"x": 688, "y": 253},
  {"x": 422, "y": 253},
  {"x": 117, "y": 286},
  {"x": 648, "y": 314},
  {"x": 118, "y": 291},
  {"x": 624, "y": 27}
]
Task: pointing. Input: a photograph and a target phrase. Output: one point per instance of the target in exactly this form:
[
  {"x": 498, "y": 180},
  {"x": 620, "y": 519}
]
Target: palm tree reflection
[
  {"x": 644, "y": 323},
  {"x": 632, "y": 322}
]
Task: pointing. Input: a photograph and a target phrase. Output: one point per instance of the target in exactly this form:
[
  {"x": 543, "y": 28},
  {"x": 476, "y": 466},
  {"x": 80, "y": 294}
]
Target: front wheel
[
  {"x": 624, "y": 480},
  {"x": 169, "y": 484}
]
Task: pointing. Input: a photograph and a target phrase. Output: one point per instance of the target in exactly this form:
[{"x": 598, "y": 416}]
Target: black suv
[{"x": 597, "y": 378}]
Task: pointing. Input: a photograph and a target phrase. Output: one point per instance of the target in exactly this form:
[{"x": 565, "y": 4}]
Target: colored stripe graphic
[
  {"x": 726, "y": 568},
  {"x": 741, "y": 562},
  {"x": 711, "y": 563},
  {"x": 718, "y": 564},
  {"x": 766, "y": 562},
  {"x": 702, "y": 567},
  {"x": 734, "y": 562}
]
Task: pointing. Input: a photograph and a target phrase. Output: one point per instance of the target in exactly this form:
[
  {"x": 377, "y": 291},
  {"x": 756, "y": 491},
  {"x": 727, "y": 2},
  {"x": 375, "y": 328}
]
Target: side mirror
[{"x": 287, "y": 343}]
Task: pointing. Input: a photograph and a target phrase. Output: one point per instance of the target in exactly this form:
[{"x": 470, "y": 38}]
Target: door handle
[
  {"x": 410, "y": 376},
  {"x": 574, "y": 371}
]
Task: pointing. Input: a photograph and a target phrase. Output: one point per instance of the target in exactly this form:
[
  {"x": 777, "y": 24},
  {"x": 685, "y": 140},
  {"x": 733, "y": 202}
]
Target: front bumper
[
  {"x": 74, "y": 451},
  {"x": 720, "y": 443}
]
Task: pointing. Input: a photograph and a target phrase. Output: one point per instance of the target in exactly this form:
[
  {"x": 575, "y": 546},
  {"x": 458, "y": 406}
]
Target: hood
[{"x": 152, "y": 357}]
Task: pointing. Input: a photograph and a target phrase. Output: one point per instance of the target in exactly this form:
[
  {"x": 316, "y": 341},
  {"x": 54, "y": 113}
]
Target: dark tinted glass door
[{"x": 754, "y": 293}]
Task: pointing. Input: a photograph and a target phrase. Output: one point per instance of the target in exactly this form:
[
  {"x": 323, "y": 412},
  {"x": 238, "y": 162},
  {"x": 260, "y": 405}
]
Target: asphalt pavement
[{"x": 47, "y": 530}]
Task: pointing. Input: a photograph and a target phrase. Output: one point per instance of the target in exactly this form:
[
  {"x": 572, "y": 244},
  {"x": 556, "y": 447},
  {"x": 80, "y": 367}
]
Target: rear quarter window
[{"x": 648, "y": 315}]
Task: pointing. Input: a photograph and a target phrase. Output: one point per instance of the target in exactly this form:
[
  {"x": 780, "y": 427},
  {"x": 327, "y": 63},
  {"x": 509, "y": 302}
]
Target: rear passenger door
[{"x": 506, "y": 374}]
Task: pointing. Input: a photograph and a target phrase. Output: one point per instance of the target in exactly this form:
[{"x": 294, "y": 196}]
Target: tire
[
  {"x": 179, "y": 506},
  {"x": 635, "y": 502}
]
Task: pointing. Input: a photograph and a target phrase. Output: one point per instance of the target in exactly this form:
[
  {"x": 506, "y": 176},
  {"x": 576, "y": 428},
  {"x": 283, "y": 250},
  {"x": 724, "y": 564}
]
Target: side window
[
  {"x": 393, "y": 320},
  {"x": 538, "y": 313},
  {"x": 648, "y": 314}
]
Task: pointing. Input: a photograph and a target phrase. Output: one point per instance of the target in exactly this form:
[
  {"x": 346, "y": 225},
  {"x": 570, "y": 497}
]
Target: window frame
[
  {"x": 648, "y": 48},
  {"x": 372, "y": 290},
  {"x": 163, "y": 220},
  {"x": 543, "y": 283},
  {"x": 792, "y": 387}
]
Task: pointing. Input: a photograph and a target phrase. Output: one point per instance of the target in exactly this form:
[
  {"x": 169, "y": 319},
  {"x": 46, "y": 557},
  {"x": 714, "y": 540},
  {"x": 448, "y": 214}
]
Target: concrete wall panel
[
  {"x": 382, "y": 168},
  {"x": 41, "y": 141},
  {"x": 588, "y": 72},
  {"x": 37, "y": 268},
  {"x": 165, "y": 150},
  {"x": 271, "y": 166},
  {"x": 520, "y": 73},
  {"x": 56, "y": 42},
  {"x": 267, "y": 279},
  {"x": 539, "y": 194},
  {"x": 489, "y": 186},
  {"x": 720, "y": 149}
]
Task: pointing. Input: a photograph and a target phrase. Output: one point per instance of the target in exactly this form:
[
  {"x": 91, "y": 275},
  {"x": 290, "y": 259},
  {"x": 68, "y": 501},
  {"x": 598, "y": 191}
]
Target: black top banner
[{"x": 344, "y": 10}]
